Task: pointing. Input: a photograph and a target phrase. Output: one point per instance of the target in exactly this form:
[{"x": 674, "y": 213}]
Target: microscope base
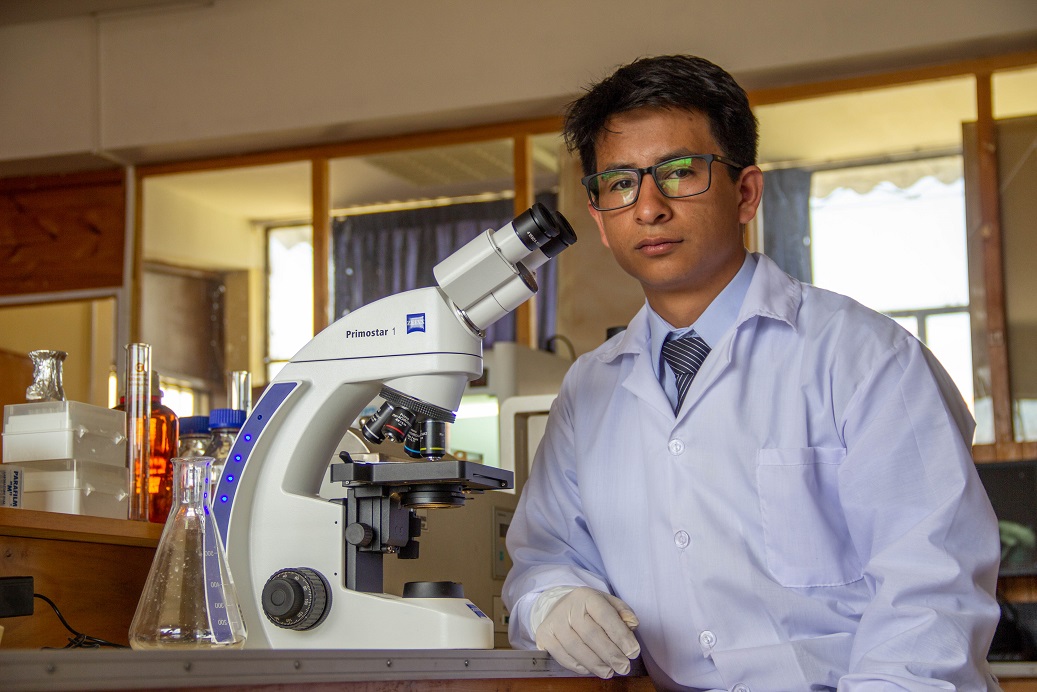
[{"x": 382, "y": 621}]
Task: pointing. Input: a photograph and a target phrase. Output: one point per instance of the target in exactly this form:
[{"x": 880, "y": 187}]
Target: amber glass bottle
[{"x": 164, "y": 438}]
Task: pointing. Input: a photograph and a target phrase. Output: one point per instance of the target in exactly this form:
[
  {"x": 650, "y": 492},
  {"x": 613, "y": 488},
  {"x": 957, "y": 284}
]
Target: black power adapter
[{"x": 16, "y": 596}]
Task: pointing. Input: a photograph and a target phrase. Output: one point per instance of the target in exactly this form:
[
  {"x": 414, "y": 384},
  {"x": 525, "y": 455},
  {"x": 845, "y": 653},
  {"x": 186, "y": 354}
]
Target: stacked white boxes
[{"x": 72, "y": 457}]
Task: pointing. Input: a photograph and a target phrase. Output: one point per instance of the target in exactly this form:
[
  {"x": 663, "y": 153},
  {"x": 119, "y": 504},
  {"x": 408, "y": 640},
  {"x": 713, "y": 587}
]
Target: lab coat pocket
[{"x": 805, "y": 533}]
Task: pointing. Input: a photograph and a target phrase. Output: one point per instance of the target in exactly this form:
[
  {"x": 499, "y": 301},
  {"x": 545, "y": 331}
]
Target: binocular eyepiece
[{"x": 492, "y": 274}]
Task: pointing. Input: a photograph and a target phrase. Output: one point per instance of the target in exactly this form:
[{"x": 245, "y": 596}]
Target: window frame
[{"x": 1004, "y": 447}]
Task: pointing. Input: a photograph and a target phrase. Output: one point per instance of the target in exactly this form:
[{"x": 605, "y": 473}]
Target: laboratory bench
[
  {"x": 350, "y": 671},
  {"x": 94, "y": 569}
]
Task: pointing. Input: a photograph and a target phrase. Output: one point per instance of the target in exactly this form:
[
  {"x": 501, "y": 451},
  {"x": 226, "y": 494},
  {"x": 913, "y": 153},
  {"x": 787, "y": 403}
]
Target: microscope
[{"x": 308, "y": 570}]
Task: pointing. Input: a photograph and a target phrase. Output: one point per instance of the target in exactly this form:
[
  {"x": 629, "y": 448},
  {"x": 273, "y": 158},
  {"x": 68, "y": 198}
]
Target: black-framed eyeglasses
[{"x": 684, "y": 176}]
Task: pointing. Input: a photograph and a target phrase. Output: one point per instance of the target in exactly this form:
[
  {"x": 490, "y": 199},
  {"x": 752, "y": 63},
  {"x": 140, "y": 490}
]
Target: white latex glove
[{"x": 588, "y": 631}]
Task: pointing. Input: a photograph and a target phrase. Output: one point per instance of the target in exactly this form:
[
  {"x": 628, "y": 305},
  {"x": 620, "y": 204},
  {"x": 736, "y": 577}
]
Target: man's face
[{"x": 676, "y": 248}]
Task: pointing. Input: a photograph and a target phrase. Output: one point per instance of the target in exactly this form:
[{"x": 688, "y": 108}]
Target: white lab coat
[{"x": 812, "y": 516}]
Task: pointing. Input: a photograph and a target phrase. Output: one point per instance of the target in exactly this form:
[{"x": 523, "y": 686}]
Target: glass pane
[
  {"x": 908, "y": 323},
  {"x": 915, "y": 235},
  {"x": 881, "y": 227},
  {"x": 289, "y": 290},
  {"x": 396, "y": 215},
  {"x": 854, "y": 232},
  {"x": 949, "y": 338},
  {"x": 214, "y": 221}
]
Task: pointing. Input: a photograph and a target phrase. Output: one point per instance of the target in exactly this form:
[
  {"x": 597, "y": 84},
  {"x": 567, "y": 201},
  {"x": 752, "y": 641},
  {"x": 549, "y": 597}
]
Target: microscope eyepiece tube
[
  {"x": 534, "y": 227},
  {"x": 566, "y": 236},
  {"x": 492, "y": 274}
]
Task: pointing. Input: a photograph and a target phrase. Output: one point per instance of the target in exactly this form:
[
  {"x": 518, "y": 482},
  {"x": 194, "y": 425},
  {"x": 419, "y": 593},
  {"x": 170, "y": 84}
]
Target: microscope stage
[{"x": 473, "y": 476}]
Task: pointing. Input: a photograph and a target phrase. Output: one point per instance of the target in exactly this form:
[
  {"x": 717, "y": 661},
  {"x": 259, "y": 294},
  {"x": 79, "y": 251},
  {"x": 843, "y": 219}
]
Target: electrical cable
[
  {"x": 549, "y": 343},
  {"x": 80, "y": 640}
]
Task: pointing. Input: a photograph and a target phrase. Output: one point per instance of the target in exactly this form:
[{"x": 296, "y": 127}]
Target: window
[
  {"x": 184, "y": 397},
  {"x": 892, "y": 236},
  {"x": 289, "y": 294},
  {"x": 865, "y": 196}
]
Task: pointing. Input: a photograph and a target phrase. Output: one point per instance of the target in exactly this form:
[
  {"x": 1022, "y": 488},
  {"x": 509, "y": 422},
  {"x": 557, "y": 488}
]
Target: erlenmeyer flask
[{"x": 189, "y": 600}]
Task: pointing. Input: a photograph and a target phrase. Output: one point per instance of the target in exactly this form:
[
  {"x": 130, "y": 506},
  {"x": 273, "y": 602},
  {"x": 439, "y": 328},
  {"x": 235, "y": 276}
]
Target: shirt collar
[
  {"x": 715, "y": 320},
  {"x": 770, "y": 293},
  {"x": 717, "y": 317}
]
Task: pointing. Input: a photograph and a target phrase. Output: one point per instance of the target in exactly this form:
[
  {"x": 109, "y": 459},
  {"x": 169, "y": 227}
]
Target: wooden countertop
[{"x": 30, "y": 523}]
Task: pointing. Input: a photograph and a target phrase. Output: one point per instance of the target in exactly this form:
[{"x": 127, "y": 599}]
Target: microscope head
[
  {"x": 486, "y": 279},
  {"x": 493, "y": 274}
]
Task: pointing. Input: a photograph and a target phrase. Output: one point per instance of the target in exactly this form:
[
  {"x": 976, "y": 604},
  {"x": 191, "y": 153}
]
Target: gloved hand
[{"x": 588, "y": 631}]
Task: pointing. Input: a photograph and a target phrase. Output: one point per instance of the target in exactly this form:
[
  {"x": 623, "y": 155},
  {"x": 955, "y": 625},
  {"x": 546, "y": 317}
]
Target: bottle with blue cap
[
  {"x": 194, "y": 436},
  {"x": 224, "y": 424}
]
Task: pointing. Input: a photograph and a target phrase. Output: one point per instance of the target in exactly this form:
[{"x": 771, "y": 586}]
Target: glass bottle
[
  {"x": 163, "y": 441},
  {"x": 189, "y": 600},
  {"x": 194, "y": 436},
  {"x": 224, "y": 424}
]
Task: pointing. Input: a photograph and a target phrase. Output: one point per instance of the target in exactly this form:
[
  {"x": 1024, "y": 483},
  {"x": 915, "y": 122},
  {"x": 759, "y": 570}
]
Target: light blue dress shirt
[
  {"x": 711, "y": 325},
  {"x": 811, "y": 519}
]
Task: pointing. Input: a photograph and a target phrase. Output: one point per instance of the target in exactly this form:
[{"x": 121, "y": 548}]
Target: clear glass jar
[{"x": 224, "y": 424}]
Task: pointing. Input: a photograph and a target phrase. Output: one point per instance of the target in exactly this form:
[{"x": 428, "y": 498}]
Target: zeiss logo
[{"x": 416, "y": 323}]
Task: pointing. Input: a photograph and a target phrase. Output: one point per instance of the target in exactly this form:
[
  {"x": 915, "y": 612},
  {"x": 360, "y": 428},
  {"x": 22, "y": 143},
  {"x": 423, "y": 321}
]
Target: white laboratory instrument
[{"x": 308, "y": 571}]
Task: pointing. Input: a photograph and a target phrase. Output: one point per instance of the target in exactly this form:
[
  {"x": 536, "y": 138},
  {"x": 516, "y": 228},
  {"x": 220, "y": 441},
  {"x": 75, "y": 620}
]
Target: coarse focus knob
[
  {"x": 297, "y": 598},
  {"x": 359, "y": 534}
]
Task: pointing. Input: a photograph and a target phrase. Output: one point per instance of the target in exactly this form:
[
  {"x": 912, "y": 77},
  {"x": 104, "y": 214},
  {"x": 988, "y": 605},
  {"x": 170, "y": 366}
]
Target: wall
[
  {"x": 1017, "y": 142},
  {"x": 593, "y": 292},
  {"x": 83, "y": 329},
  {"x": 186, "y": 232},
  {"x": 227, "y": 76}
]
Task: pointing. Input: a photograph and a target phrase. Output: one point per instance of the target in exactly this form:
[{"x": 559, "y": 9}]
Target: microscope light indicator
[
  {"x": 230, "y": 478},
  {"x": 223, "y": 498},
  {"x": 248, "y": 437}
]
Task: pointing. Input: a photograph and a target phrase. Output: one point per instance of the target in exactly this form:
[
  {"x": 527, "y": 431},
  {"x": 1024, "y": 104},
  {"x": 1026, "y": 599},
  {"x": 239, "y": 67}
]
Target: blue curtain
[
  {"x": 786, "y": 221},
  {"x": 377, "y": 255}
]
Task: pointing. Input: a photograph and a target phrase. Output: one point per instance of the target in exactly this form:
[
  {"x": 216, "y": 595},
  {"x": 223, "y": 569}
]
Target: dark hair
[{"x": 682, "y": 82}]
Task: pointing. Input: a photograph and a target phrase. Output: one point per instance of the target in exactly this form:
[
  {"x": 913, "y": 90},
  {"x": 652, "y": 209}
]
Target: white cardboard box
[
  {"x": 64, "y": 430},
  {"x": 72, "y": 486}
]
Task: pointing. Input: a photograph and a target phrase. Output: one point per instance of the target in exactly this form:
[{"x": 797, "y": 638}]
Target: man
[{"x": 759, "y": 485}]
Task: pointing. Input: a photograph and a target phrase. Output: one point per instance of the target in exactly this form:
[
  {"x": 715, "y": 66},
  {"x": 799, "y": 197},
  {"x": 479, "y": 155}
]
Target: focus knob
[
  {"x": 298, "y": 598},
  {"x": 359, "y": 534}
]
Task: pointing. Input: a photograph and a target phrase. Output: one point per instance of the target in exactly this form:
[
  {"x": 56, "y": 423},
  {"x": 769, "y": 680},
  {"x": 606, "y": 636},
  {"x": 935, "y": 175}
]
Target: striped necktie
[{"x": 684, "y": 356}]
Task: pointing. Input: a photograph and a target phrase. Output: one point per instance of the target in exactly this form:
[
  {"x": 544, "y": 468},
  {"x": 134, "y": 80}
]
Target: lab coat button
[
  {"x": 740, "y": 688},
  {"x": 682, "y": 539},
  {"x": 708, "y": 640},
  {"x": 676, "y": 447}
]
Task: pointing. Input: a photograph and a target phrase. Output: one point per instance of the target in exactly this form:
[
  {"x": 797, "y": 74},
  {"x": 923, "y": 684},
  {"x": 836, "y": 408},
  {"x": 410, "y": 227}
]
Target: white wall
[{"x": 234, "y": 75}]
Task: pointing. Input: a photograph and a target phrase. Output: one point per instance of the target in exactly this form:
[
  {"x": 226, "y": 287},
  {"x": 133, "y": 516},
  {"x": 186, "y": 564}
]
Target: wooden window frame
[{"x": 521, "y": 133}]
